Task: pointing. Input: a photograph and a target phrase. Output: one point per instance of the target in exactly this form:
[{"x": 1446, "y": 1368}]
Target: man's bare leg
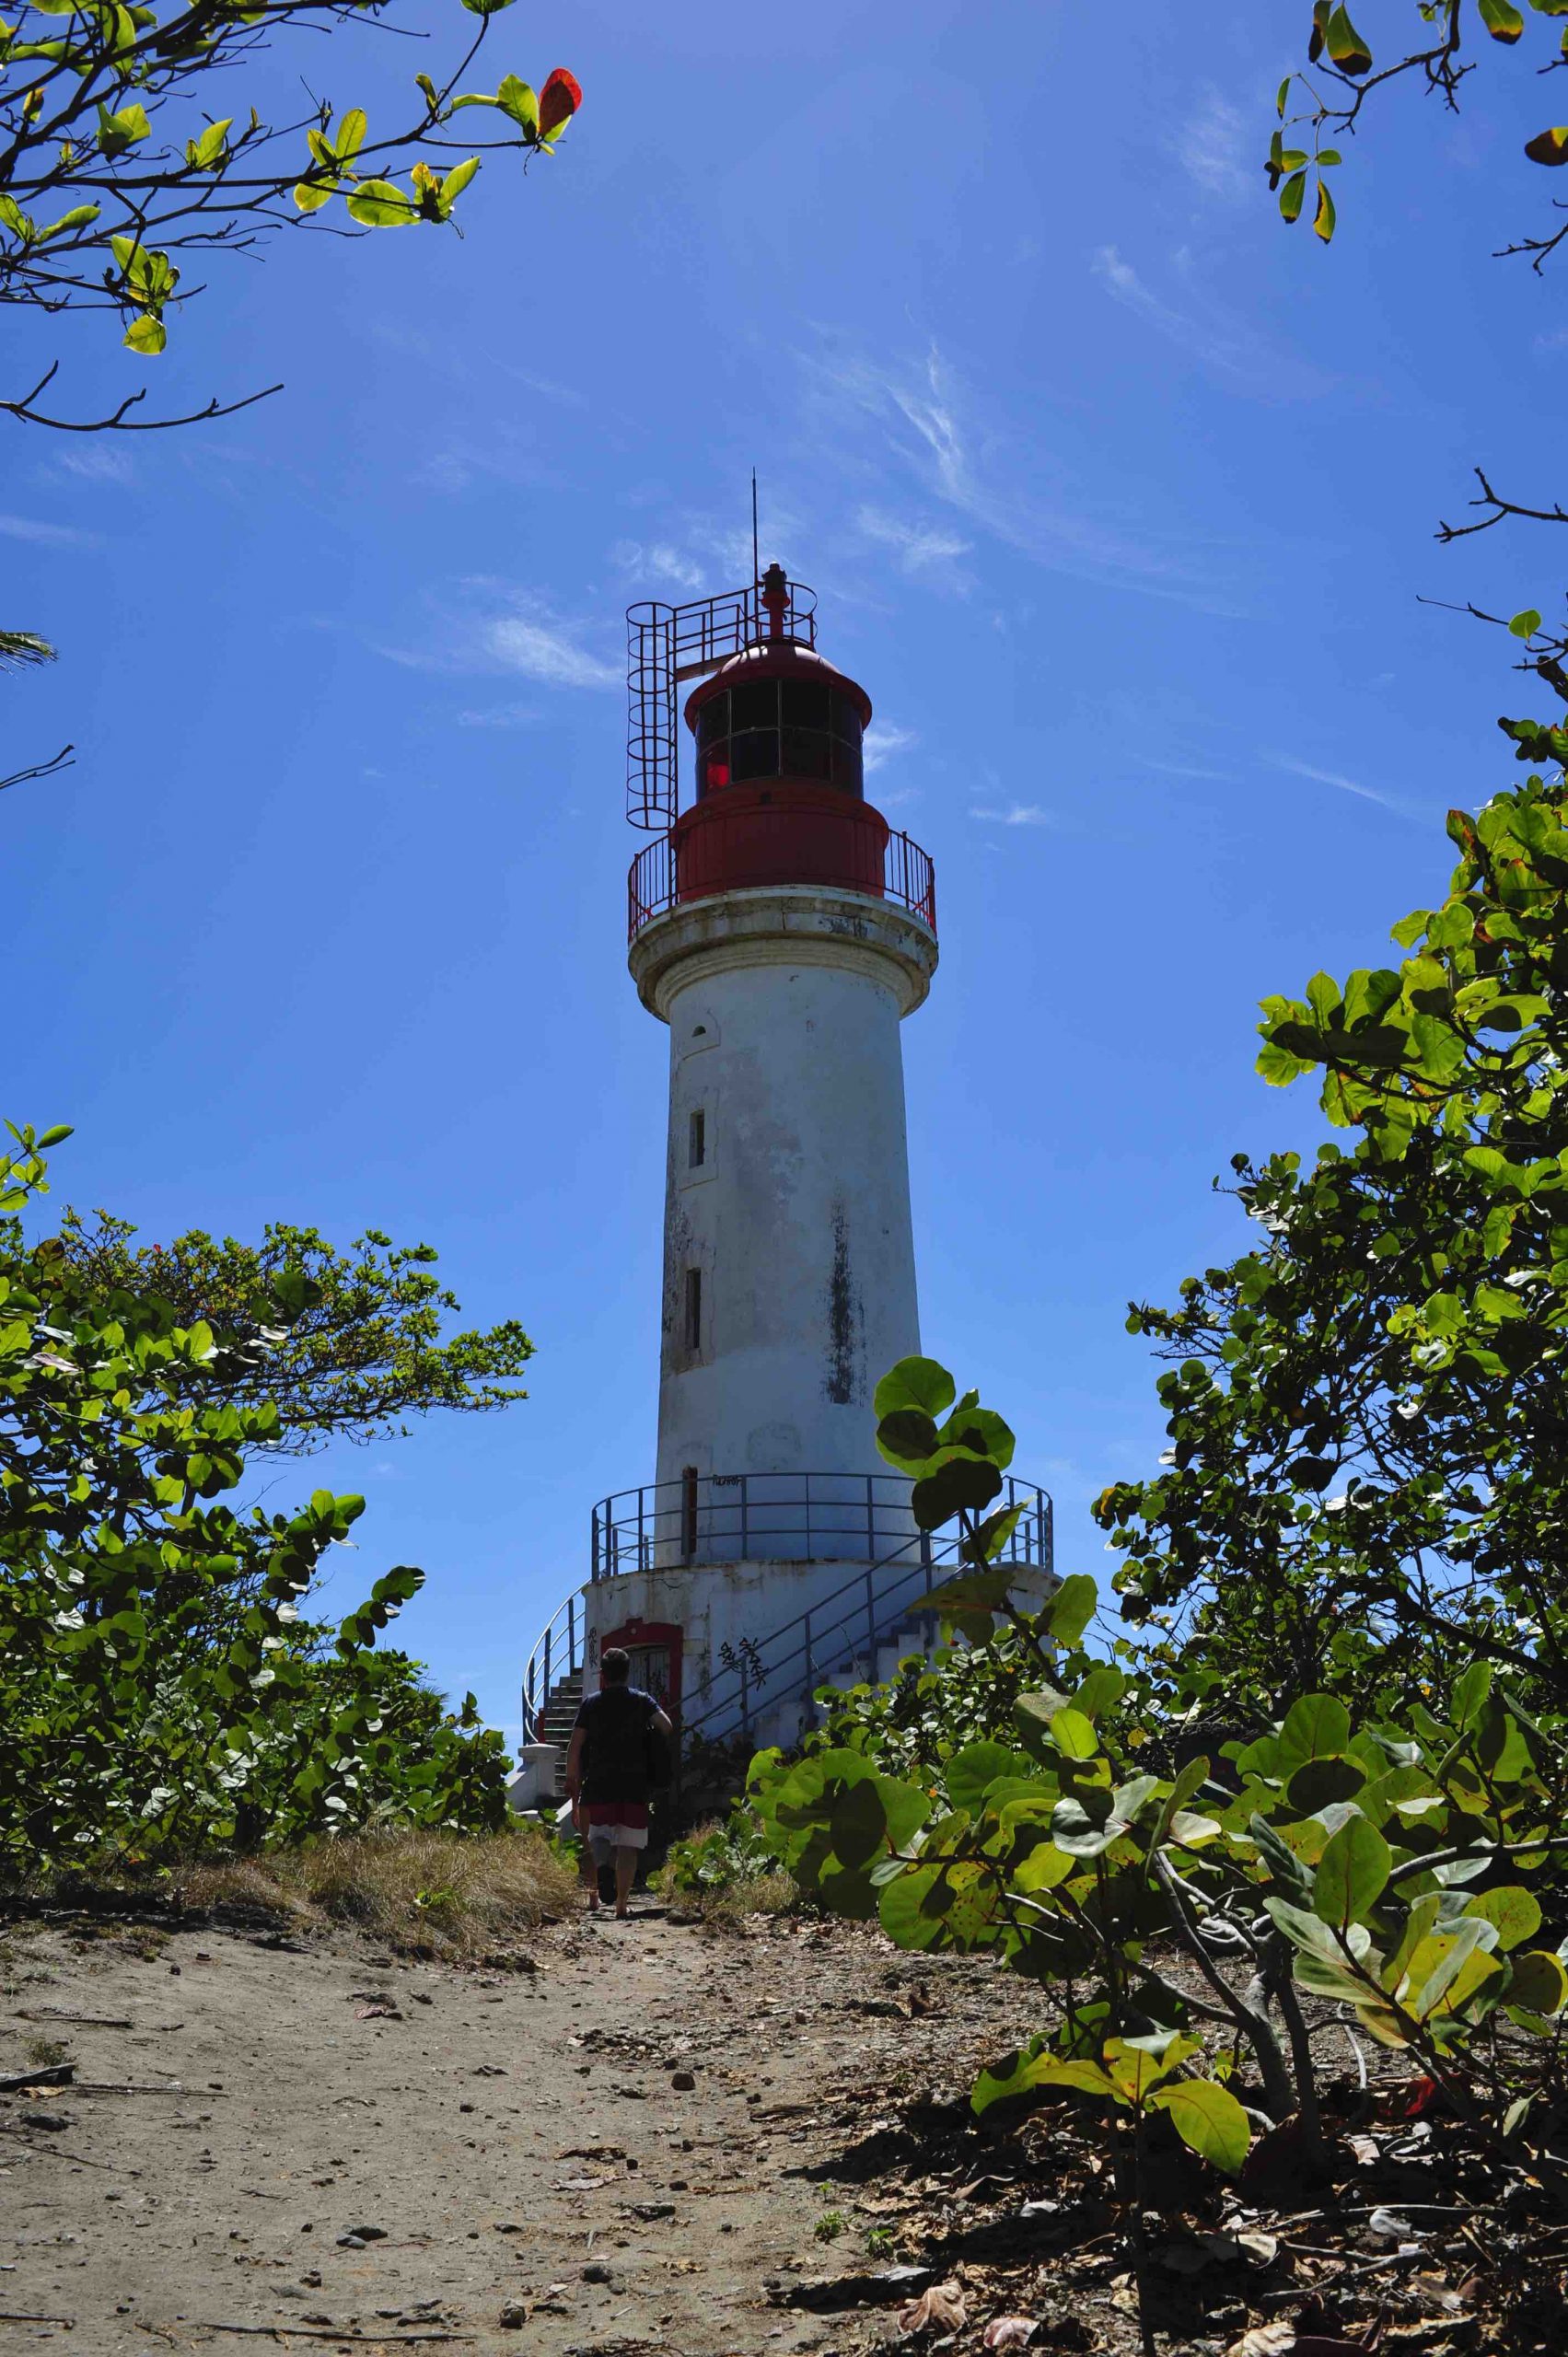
[
  {"x": 626, "y": 1875},
  {"x": 589, "y": 1872}
]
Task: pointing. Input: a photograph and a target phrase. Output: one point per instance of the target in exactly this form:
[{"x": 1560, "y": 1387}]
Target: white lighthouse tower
[{"x": 783, "y": 932}]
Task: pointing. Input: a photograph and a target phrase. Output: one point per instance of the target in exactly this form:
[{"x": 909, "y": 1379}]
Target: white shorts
[{"x": 605, "y": 1840}]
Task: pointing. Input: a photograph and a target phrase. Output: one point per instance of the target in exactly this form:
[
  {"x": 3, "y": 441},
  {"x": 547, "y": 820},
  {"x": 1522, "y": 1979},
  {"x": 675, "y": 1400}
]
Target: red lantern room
[
  {"x": 780, "y": 796},
  {"x": 779, "y": 758}
]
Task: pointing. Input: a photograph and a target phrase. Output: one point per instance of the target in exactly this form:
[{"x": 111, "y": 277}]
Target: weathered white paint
[
  {"x": 784, "y": 1008},
  {"x": 718, "y": 1606}
]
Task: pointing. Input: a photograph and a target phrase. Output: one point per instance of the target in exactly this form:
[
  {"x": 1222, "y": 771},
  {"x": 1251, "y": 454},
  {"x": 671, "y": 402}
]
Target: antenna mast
[{"x": 756, "y": 560}]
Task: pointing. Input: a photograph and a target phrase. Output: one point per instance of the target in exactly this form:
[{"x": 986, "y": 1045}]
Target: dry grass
[
  {"x": 773, "y": 1894},
  {"x": 428, "y": 1894}
]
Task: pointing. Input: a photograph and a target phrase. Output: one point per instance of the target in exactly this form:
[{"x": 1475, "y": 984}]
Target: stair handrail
[
  {"x": 876, "y": 1613},
  {"x": 546, "y": 1665}
]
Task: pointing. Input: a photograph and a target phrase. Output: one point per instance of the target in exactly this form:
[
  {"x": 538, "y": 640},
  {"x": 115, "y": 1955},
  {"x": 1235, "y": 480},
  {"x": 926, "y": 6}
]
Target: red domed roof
[{"x": 776, "y": 658}]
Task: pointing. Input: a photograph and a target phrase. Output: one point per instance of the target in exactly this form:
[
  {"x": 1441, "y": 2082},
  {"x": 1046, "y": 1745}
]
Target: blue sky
[{"x": 1117, "y": 497}]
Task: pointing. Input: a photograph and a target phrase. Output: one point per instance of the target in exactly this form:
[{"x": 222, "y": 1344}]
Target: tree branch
[
  {"x": 119, "y": 422},
  {"x": 61, "y": 761}
]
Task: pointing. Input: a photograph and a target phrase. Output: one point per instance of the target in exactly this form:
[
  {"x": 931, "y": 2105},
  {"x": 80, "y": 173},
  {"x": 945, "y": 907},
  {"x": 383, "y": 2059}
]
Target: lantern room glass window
[{"x": 784, "y": 728}]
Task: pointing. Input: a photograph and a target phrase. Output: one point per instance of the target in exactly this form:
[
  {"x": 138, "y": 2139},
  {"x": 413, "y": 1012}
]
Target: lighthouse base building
[{"x": 783, "y": 933}]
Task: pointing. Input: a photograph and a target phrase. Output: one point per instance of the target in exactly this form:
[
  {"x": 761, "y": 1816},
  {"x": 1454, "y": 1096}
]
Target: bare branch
[
  {"x": 42, "y": 769},
  {"x": 118, "y": 422},
  {"x": 1500, "y": 507}
]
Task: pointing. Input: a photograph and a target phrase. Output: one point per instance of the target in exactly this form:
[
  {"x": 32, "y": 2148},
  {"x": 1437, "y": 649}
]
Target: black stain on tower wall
[{"x": 845, "y": 1319}]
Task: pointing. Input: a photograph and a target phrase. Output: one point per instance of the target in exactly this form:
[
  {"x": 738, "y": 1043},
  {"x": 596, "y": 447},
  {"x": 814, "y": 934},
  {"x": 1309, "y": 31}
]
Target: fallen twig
[
  {"x": 58, "y": 2152},
  {"x": 88, "y": 2021},
  {"x": 10, "y": 2316},
  {"x": 322, "y": 2332}
]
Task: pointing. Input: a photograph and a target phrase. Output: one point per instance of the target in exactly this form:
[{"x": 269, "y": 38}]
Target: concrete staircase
[
  {"x": 783, "y": 1719},
  {"x": 541, "y": 1781},
  {"x": 560, "y": 1712}
]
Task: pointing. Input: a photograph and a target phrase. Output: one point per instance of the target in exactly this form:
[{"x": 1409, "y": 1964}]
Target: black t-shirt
[{"x": 615, "y": 1723}]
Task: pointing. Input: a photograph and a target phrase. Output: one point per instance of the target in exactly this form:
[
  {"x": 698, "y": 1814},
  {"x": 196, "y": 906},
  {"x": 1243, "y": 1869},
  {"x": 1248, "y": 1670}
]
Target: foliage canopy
[
  {"x": 159, "y": 1688},
  {"x": 115, "y": 174}
]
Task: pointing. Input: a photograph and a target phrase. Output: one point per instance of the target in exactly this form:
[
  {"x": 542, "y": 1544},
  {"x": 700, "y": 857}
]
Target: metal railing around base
[
  {"x": 750, "y": 1518},
  {"x": 846, "y": 1626},
  {"x": 849, "y": 1626}
]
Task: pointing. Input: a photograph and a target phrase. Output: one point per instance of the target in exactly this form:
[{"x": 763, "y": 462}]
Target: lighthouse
[{"x": 781, "y": 932}]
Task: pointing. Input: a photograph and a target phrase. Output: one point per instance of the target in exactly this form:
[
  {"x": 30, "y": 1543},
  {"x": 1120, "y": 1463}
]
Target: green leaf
[
  {"x": 1352, "y": 1874},
  {"x": 1472, "y": 1690},
  {"x": 1208, "y": 2118},
  {"x": 915, "y": 1383},
  {"x": 968, "y": 1772},
  {"x": 516, "y": 99},
  {"x": 1086, "y": 2077},
  {"x": 1346, "y": 49},
  {"x": 119, "y": 131},
  {"x": 1324, "y": 218},
  {"x": 146, "y": 334},
  {"x": 1292, "y": 195},
  {"x": 995, "y": 1533},
  {"x": 204, "y": 155},
  {"x": 1317, "y": 1727},
  {"x": 311, "y": 195},
  {"x": 1071, "y": 1609},
  {"x": 972, "y": 1591},
  {"x": 961, "y": 1483},
  {"x": 381, "y": 205},
  {"x": 1311, "y": 1932},
  {"x": 1514, "y": 1911},
  {"x": 907, "y": 1438},
  {"x": 79, "y": 217},
  {"x": 1525, "y": 625},
  {"x": 1501, "y": 19},
  {"x": 1537, "y": 1982},
  {"x": 1073, "y": 1735},
  {"x": 487, "y": 7},
  {"x": 457, "y": 179}
]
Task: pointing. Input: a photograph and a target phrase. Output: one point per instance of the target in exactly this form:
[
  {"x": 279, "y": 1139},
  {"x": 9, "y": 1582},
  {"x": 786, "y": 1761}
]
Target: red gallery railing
[{"x": 655, "y": 883}]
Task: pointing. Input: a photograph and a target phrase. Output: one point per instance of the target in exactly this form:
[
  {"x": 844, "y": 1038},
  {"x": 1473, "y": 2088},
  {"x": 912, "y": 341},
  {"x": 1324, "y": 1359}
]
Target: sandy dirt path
[{"x": 608, "y": 2154}]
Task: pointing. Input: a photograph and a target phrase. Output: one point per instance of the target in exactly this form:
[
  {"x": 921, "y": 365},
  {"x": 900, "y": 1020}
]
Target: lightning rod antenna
[{"x": 756, "y": 560}]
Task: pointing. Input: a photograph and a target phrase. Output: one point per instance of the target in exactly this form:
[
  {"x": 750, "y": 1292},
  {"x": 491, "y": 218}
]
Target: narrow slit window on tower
[
  {"x": 693, "y": 1309},
  {"x": 697, "y": 1140},
  {"x": 688, "y": 1511}
]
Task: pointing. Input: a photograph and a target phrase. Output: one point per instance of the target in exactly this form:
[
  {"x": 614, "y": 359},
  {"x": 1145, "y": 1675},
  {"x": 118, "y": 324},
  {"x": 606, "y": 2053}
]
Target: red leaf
[{"x": 558, "y": 101}]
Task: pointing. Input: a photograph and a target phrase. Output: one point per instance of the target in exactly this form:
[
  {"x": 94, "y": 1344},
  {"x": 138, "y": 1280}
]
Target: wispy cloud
[
  {"x": 929, "y": 421},
  {"x": 484, "y": 625},
  {"x": 658, "y": 561},
  {"x": 918, "y": 547},
  {"x": 499, "y": 715},
  {"x": 548, "y": 653},
  {"x": 1214, "y": 146},
  {"x": 1345, "y": 785},
  {"x": 1015, "y": 814},
  {"x": 90, "y": 465},
  {"x": 1185, "y": 769},
  {"x": 54, "y": 536},
  {"x": 1213, "y": 336},
  {"x": 884, "y": 739}
]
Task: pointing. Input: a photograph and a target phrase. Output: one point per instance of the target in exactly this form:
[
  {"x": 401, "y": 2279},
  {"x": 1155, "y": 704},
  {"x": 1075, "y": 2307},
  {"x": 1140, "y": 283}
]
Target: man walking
[{"x": 609, "y": 1776}]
